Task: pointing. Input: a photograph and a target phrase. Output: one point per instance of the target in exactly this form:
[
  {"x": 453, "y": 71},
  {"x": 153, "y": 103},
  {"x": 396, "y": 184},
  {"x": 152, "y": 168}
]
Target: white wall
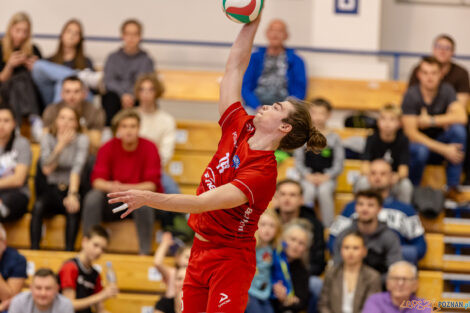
[
  {"x": 190, "y": 20},
  {"x": 412, "y": 28}
]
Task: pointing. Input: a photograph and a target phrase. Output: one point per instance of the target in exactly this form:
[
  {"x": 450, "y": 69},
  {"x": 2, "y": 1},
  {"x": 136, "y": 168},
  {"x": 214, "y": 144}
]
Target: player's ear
[{"x": 285, "y": 128}]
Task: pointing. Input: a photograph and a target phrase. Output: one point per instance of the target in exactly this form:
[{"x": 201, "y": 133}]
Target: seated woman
[
  {"x": 17, "y": 56},
  {"x": 290, "y": 275},
  {"x": 15, "y": 160},
  {"x": 69, "y": 60},
  {"x": 347, "y": 286},
  {"x": 63, "y": 154},
  {"x": 156, "y": 125}
]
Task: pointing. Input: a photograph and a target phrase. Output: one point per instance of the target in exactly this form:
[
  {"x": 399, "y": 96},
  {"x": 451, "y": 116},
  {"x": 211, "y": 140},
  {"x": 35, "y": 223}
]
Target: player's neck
[
  {"x": 263, "y": 142},
  {"x": 84, "y": 259}
]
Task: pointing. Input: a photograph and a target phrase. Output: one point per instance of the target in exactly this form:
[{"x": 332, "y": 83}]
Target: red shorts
[{"x": 218, "y": 278}]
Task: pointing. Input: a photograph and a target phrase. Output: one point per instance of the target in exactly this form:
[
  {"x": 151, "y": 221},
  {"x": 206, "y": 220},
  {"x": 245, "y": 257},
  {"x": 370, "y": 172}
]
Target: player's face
[
  {"x": 353, "y": 250},
  {"x": 7, "y": 123},
  {"x": 44, "y": 290},
  {"x": 401, "y": 282},
  {"x": 267, "y": 227},
  {"x": 66, "y": 120},
  {"x": 131, "y": 36},
  {"x": 276, "y": 34},
  {"x": 319, "y": 116},
  {"x": 443, "y": 50},
  {"x": 290, "y": 199},
  {"x": 94, "y": 247},
  {"x": 380, "y": 175},
  {"x": 296, "y": 240},
  {"x": 367, "y": 209},
  {"x": 183, "y": 258},
  {"x": 388, "y": 122},
  {"x": 128, "y": 130},
  {"x": 429, "y": 75},
  {"x": 269, "y": 117},
  {"x": 73, "y": 93}
]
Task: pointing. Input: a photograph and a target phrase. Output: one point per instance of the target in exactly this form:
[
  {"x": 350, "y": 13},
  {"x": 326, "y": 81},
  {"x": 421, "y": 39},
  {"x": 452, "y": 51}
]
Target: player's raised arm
[{"x": 238, "y": 60}]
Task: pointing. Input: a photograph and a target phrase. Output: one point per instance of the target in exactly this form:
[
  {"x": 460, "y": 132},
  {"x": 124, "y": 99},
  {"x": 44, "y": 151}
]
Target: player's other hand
[{"x": 134, "y": 199}]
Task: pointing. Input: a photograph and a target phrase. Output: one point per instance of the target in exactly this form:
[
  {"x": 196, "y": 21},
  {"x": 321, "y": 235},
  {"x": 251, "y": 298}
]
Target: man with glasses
[
  {"x": 454, "y": 74},
  {"x": 402, "y": 283}
]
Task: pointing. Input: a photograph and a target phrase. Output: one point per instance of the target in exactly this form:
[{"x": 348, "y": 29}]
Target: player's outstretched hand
[{"x": 133, "y": 198}]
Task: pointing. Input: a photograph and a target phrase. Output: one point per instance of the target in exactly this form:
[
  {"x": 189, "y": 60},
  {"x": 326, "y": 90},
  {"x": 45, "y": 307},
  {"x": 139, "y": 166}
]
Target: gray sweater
[
  {"x": 24, "y": 303},
  {"x": 122, "y": 70},
  {"x": 383, "y": 247},
  {"x": 71, "y": 160}
]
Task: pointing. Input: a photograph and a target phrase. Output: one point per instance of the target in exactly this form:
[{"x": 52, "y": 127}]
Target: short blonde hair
[
  {"x": 122, "y": 115},
  {"x": 277, "y": 237},
  {"x": 392, "y": 109}
]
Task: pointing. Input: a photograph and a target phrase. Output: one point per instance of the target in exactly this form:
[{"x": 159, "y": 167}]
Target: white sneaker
[{"x": 91, "y": 78}]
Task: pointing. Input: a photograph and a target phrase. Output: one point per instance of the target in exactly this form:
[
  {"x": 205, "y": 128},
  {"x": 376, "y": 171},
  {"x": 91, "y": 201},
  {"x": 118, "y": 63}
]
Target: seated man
[
  {"x": 400, "y": 217},
  {"x": 91, "y": 118},
  {"x": 122, "y": 68},
  {"x": 391, "y": 144},
  {"x": 125, "y": 162},
  {"x": 402, "y": 283},
  {"x": 43, "y": 297},
  {"x": 80, "y": 281},
  {"x": 434, "y": 121},
  {"x": 452, "y": 73},
  {"x": 289, "y": 196},
  {"x": 12, "y": 271},
  {"x": 383, "y": 244},
  {"x": 275, "y": 72}
]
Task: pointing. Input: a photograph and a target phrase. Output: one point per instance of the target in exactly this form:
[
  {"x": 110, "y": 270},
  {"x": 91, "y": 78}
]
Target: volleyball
[{"x": 242, "y": 11}]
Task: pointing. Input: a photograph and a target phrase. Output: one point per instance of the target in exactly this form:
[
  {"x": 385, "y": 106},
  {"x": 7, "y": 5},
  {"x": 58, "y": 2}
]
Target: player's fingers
[
  {"x": 118, "y": 199},
  {"x": 117, "y": 194},
  {"x": 125, "y": 214}
]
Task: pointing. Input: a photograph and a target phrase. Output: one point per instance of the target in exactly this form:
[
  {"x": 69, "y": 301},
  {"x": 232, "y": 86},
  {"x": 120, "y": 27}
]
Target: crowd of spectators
[{"x": 375, "y": 243}]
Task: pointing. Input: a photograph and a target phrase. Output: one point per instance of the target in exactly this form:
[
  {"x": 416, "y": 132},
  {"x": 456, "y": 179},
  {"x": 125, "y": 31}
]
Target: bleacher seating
[{"x": 344, "y": 94}]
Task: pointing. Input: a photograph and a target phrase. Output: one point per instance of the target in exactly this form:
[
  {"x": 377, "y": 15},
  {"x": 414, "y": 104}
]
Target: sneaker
[
  {"x": 36, "y": 127},
  {"x": 91, "y": 78}
]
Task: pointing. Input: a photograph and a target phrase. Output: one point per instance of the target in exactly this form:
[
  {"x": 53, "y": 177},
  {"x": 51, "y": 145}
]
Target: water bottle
[{"x": 110, "y": 273}]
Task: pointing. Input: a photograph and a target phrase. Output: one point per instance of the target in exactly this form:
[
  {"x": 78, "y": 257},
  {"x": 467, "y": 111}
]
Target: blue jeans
[
  {"x": 169, "y": 185},
  {"x": 410, "y": 254},
  {"x": 256, "y": 305},
  {"x": 315, "y": 284},
  {"x": 421, "y": 155},
  {"x": 48, "y": 76}
]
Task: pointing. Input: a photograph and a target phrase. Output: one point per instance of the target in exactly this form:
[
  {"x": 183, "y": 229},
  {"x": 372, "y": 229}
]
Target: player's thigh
[
  {"x": 194, "y": 298},
  {"x": 228, "y": 291}
]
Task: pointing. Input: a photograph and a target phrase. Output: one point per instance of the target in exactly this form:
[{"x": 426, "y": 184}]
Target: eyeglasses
[
  {"x": 397, "y": 279},
  {"x": 443, "y": 47}
]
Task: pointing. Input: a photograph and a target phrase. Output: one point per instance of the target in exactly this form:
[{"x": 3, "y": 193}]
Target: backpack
[{"x": 428, "y": 201}]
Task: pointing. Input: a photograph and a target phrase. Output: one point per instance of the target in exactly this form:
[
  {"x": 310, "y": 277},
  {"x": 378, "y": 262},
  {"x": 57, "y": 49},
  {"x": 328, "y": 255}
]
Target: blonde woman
[{"x": 17, "y": 57}]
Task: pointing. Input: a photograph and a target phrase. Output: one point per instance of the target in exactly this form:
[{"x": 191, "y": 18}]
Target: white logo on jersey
[
  {"x": 224, "y": 163},
  {"x": 235, "y": 138},
  {"x": 210, "y": 181},
  {"x": 245, "y": 219},
  {"x": 249, "y": 127},
  {"x": 223, "y": 299}
]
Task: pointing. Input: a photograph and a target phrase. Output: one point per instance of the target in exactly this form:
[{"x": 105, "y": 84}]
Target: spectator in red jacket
[{"x": 125, "y": 162}]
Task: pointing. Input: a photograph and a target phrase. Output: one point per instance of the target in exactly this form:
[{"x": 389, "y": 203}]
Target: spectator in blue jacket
[
  {"x": 274, "y": 72},
  {"x": 398, "y": 216}
]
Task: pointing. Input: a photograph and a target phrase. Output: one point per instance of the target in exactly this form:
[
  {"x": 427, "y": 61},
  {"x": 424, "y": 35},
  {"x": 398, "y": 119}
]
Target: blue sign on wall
[{"x": 346, "y": 6}]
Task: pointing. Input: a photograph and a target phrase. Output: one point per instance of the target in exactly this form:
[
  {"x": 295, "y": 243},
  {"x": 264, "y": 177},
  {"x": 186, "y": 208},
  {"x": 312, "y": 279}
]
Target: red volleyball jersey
[{"x": 254, "y": 172}]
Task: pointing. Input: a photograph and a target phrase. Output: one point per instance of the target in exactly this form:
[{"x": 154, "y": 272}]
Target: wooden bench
[
  {"x": 132, "y": 302},
  {"x": 197, "y": 136},
  {"x": 123, "y": 233},
  {"x": 345, "y": 94},
  {"x": 135, "y": 273}
]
